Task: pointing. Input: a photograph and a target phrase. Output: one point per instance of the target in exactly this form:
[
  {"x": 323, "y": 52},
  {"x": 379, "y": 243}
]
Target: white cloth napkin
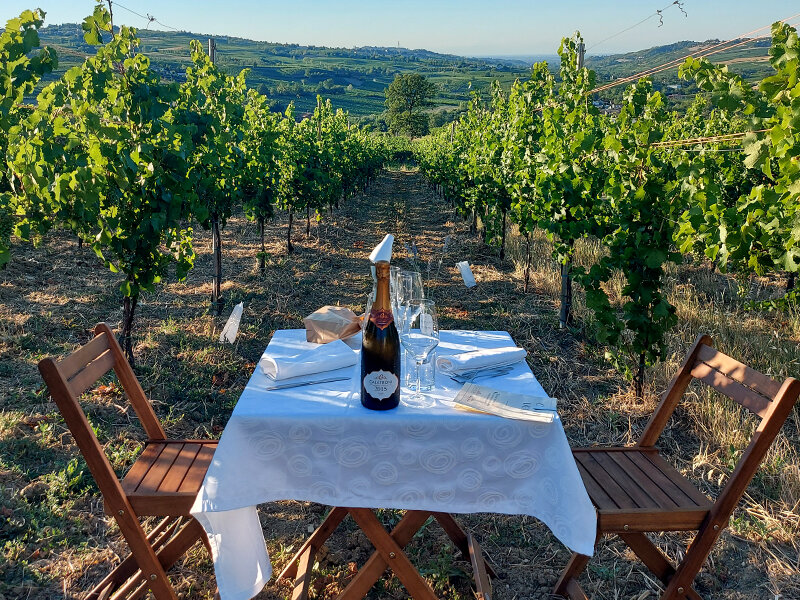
[
  {"x": 383, "y": 251},
  {"x": 480, "y": 359},
  {"x": 325, "y": 357}
]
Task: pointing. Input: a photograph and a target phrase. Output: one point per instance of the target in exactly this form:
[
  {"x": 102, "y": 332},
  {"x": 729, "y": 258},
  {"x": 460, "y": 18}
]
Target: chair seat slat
[
  {"x": 665, "y": 482},
  {"x": 684, "y": 484},
  {"x": 610, "y": 487},
  {"x": 654, "y": 489},
  {"x": 139, "y": 469},
  {"x": 197, "y": 472},
  {"x": 173, "y": 479},
  {"x": 627, "y": 481},
  {"x": 88, "y": 376},
  {"x": 623, "y": 480},
  {"x": 594, "y": 489},
  {"x": 159, "y": 469},
  {"x": 733, "y": 389},
  {"x": 764, "y": 385},
  {"x": 680, "y": 513}
]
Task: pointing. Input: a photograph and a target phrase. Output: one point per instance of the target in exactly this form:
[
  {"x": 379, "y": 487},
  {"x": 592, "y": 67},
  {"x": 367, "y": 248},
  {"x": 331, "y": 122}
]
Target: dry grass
[{"x": 56, "y": 540}]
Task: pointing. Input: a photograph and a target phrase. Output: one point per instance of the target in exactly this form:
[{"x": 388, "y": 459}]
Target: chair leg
[
  {"x": 680, "y": 585},
  {"x": 169, "y": 547},
  {"x": 191, "y": 533},
  {"x": 126, "y": 569},
  {"x": 649, "y": 555},
  {"x": 152, "y": 571},
  {"x": 567, "y": 584},
  {"x": 654, "y": 560}
]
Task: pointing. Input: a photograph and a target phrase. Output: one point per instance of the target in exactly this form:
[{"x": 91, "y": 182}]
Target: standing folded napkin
[
  {"x": 325, "y": 357},
  {"x": 480, "y": 359},
  {"x": 383, "y": 251}
]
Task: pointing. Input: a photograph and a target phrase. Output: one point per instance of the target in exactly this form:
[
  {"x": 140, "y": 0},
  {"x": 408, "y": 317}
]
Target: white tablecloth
[{"x": 318, "y": 444}]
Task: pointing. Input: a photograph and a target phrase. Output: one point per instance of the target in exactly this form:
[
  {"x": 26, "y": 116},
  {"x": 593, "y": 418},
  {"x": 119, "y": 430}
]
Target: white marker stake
[
  {"x": 231, "y": 329},
  {"x": 466, "y": 274}
]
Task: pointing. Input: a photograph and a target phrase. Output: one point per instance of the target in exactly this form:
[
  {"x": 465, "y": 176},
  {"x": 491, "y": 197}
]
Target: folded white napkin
[
  {"x": 383, "y": 251},
  {"x": 325, "y": 357},
  {"x": 480, "y": 359}
]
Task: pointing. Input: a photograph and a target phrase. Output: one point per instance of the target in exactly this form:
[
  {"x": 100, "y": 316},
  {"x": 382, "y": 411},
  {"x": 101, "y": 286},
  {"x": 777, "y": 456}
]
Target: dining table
[{"x": 317, "y": 443}]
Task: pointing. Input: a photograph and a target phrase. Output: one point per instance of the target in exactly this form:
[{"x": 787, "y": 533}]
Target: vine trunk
[{"x": 125, "y": 336}]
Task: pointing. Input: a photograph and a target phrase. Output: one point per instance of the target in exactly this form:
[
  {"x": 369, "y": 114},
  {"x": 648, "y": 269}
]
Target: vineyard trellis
[
  {"x": 130, "y": 162},
  {"x": 649, "y": 185}
]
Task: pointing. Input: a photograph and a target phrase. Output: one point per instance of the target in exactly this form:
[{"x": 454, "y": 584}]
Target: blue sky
[{"x": 467, "y": 27}]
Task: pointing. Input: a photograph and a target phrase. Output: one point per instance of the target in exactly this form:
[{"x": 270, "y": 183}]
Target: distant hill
[
  {"x": 525, "y": 59},
  {"x": 749, "y": 60},
  {"x": 355, "y": 78}
]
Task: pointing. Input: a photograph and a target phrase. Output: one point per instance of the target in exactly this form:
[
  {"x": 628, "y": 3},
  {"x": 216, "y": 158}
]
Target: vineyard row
[{"x": 653, "y": 187}]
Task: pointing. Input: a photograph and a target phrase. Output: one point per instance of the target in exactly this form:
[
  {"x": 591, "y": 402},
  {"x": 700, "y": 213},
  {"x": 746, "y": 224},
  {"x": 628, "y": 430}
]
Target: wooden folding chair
[
  {"x": 163, "y": 482},
  {"x": 636, "y": 491}
]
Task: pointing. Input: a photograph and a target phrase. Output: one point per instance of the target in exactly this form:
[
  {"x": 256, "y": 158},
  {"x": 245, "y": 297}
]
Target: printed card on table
[{"x": 506, "y": 404}]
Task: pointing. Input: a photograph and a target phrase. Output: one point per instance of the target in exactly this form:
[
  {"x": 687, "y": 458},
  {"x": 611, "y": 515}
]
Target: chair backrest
[
  {"x": 70, "y": 377},
  {"x": 769, "y": 400}
]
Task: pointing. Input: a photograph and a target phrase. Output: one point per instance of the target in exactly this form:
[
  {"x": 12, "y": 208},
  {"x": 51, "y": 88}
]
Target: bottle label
[
  {"x": 381, "y": 317},
  {"x": 380, "y": 384}
]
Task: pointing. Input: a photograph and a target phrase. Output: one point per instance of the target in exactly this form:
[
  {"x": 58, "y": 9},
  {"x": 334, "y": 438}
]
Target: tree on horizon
[{"x": 406, "y": 96}]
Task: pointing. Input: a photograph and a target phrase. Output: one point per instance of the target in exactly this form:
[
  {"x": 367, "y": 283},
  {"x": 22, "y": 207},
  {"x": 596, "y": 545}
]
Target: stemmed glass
[
  {"x": 409, "y": 293},
  {"x": 394, "y": 272},
  {"x": 409, "y": 287},
  {"x": 419, "y": 336}
]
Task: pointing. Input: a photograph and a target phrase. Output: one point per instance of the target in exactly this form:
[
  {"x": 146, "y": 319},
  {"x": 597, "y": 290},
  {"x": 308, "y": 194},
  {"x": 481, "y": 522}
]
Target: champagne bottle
[{"x": 380, "y": 350}]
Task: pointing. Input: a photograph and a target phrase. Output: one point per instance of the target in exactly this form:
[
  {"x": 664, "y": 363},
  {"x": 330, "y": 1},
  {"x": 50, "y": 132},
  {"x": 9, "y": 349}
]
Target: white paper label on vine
[
  {"x": 231, "y": 328},
  {"x": 380, "y": 384},
  {"x": 466, "y": 274},
  {"x": 426, "y": 324}
]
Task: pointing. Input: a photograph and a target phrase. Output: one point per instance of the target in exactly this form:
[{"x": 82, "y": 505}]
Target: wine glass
[
  {"x": 367, "y": 308},
  {"x": 394, "y": 272},
  {"x": 413, "y": 288},
  {"x": 408, "y": 293},
  {"x": 419, "y": 336}
]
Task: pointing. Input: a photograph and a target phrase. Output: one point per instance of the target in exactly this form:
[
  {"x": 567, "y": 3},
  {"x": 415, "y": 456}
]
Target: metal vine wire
[
  {"x": 147, "y": 17},
  {"x": 658, "y": 13},
  {"x": 714, "y": 49}
]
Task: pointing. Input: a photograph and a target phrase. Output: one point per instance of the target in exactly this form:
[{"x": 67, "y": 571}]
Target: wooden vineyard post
[
  {"x": 216, "y": 249},
  {"x": 565, "y": 316},
  {"x": 212, "y": 50},
  {"x": 216, "y": 239}
]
